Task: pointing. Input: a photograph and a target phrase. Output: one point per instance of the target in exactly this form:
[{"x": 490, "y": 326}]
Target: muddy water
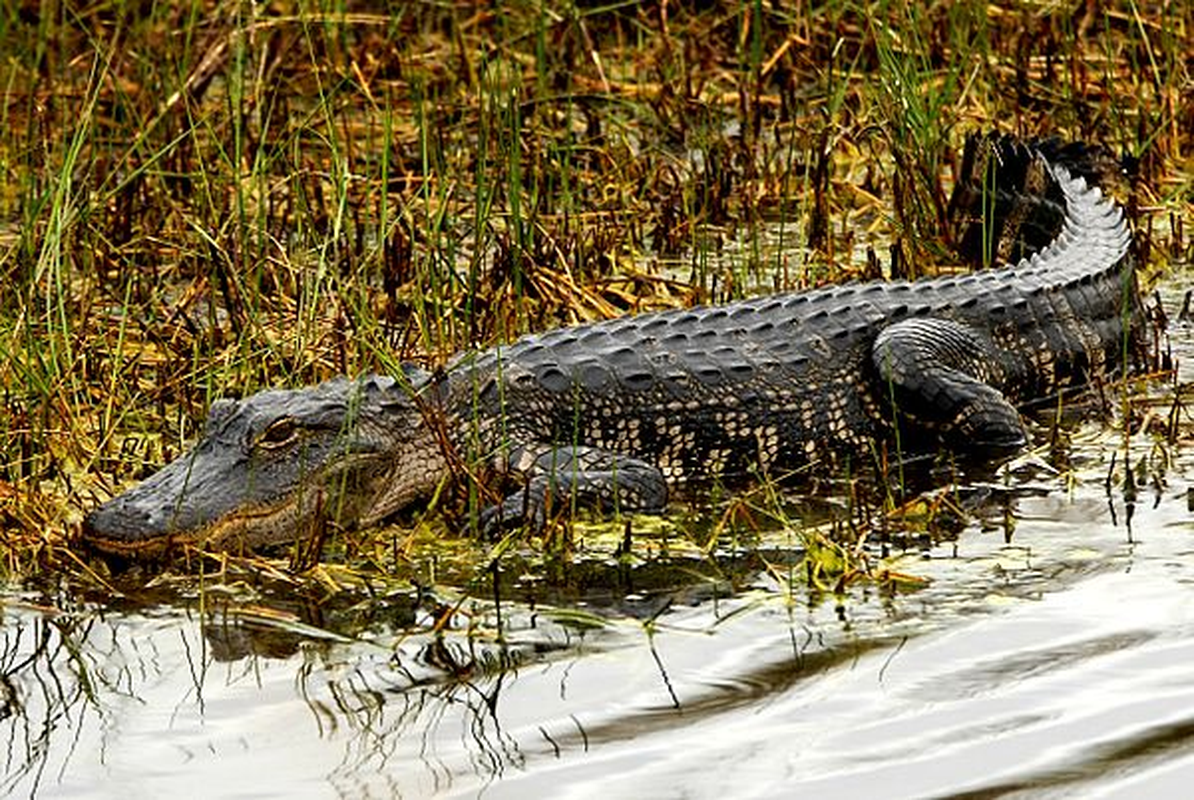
[
  {"x": 1048, "y": 653},
  {"x": 1059, "y": 661}
]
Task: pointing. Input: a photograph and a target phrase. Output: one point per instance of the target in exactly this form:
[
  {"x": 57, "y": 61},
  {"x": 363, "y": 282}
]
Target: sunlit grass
[{"x": 203, "y": 205}]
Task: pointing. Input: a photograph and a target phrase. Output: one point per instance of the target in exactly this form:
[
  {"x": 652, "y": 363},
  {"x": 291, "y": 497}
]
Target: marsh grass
[{"x": 202, "y": 201}]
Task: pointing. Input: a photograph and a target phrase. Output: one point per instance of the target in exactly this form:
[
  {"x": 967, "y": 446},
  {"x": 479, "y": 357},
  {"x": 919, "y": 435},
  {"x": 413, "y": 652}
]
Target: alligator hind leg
[
  {"x": 941, "y": 376},
  {"x": 587, "y": 476}
]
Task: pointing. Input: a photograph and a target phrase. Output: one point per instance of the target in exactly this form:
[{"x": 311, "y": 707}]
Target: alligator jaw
[
  {"x": 170, "y": 510},
  {"x": 275, "y": 468},
  {"x": 158, "y": 516},
  {"x": 107, "y": 534}
]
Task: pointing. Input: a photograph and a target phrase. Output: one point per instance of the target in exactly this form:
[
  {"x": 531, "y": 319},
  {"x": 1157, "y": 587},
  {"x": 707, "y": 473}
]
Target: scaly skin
[{"x": 619, "y": 413}]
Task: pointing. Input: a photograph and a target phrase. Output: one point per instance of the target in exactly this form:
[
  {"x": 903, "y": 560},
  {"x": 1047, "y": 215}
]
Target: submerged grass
[{"x": 205, "y": 200}]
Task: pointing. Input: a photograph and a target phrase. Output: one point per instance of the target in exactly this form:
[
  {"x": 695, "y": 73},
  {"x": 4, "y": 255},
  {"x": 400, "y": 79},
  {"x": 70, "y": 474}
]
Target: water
[
  {"x": 1047, "y": 654},
  {"x": 1057, "y": 662}
]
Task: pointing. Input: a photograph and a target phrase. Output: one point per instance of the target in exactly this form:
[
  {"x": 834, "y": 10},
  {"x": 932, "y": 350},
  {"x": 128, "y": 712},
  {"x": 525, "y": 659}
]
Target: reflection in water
[
  {"x": 61, "y": 672},
  {"x": 34, "y": 699}
]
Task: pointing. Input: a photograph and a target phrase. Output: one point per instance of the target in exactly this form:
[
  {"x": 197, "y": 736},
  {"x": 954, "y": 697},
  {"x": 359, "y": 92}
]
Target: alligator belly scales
[{"x": 619, "y": 413}]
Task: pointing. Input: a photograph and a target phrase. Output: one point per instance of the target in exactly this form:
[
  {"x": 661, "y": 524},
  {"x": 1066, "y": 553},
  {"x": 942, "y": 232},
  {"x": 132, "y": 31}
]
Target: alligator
[{"x": 621, "y": 414}]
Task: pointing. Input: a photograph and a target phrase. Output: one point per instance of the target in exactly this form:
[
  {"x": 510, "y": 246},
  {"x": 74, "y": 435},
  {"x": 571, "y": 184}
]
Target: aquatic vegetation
[{"x": 201, "y": 206}]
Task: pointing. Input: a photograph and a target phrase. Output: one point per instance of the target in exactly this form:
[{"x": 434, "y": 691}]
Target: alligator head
[{"x": 272, "y": 467}]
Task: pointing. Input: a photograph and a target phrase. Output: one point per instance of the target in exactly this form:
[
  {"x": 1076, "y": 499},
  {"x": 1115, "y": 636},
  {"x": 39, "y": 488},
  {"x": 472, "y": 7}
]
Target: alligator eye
[{"x": 279, "y": 433}]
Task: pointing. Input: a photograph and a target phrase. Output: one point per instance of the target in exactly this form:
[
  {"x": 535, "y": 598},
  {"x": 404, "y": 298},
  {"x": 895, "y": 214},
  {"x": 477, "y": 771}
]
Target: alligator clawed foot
[{"x": 527, "y": 507}]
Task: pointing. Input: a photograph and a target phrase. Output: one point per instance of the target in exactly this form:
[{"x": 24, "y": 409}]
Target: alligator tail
[{"x": 1006, "y": 204}]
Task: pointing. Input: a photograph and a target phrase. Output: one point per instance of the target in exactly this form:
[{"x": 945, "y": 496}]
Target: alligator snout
[
  {"x": 148, "y": 515},
  {"x": 120, "y": 520}
]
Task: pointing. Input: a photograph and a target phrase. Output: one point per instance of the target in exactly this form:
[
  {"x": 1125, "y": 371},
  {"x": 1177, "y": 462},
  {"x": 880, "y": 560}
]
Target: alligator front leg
[
  {"x": 559, "y": 477},
  {"x": 941, "y": 376}
]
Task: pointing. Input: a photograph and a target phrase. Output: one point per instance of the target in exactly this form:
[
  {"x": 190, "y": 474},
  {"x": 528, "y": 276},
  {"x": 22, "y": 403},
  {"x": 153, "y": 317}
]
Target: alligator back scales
[{"x": 619, "y": 413}]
